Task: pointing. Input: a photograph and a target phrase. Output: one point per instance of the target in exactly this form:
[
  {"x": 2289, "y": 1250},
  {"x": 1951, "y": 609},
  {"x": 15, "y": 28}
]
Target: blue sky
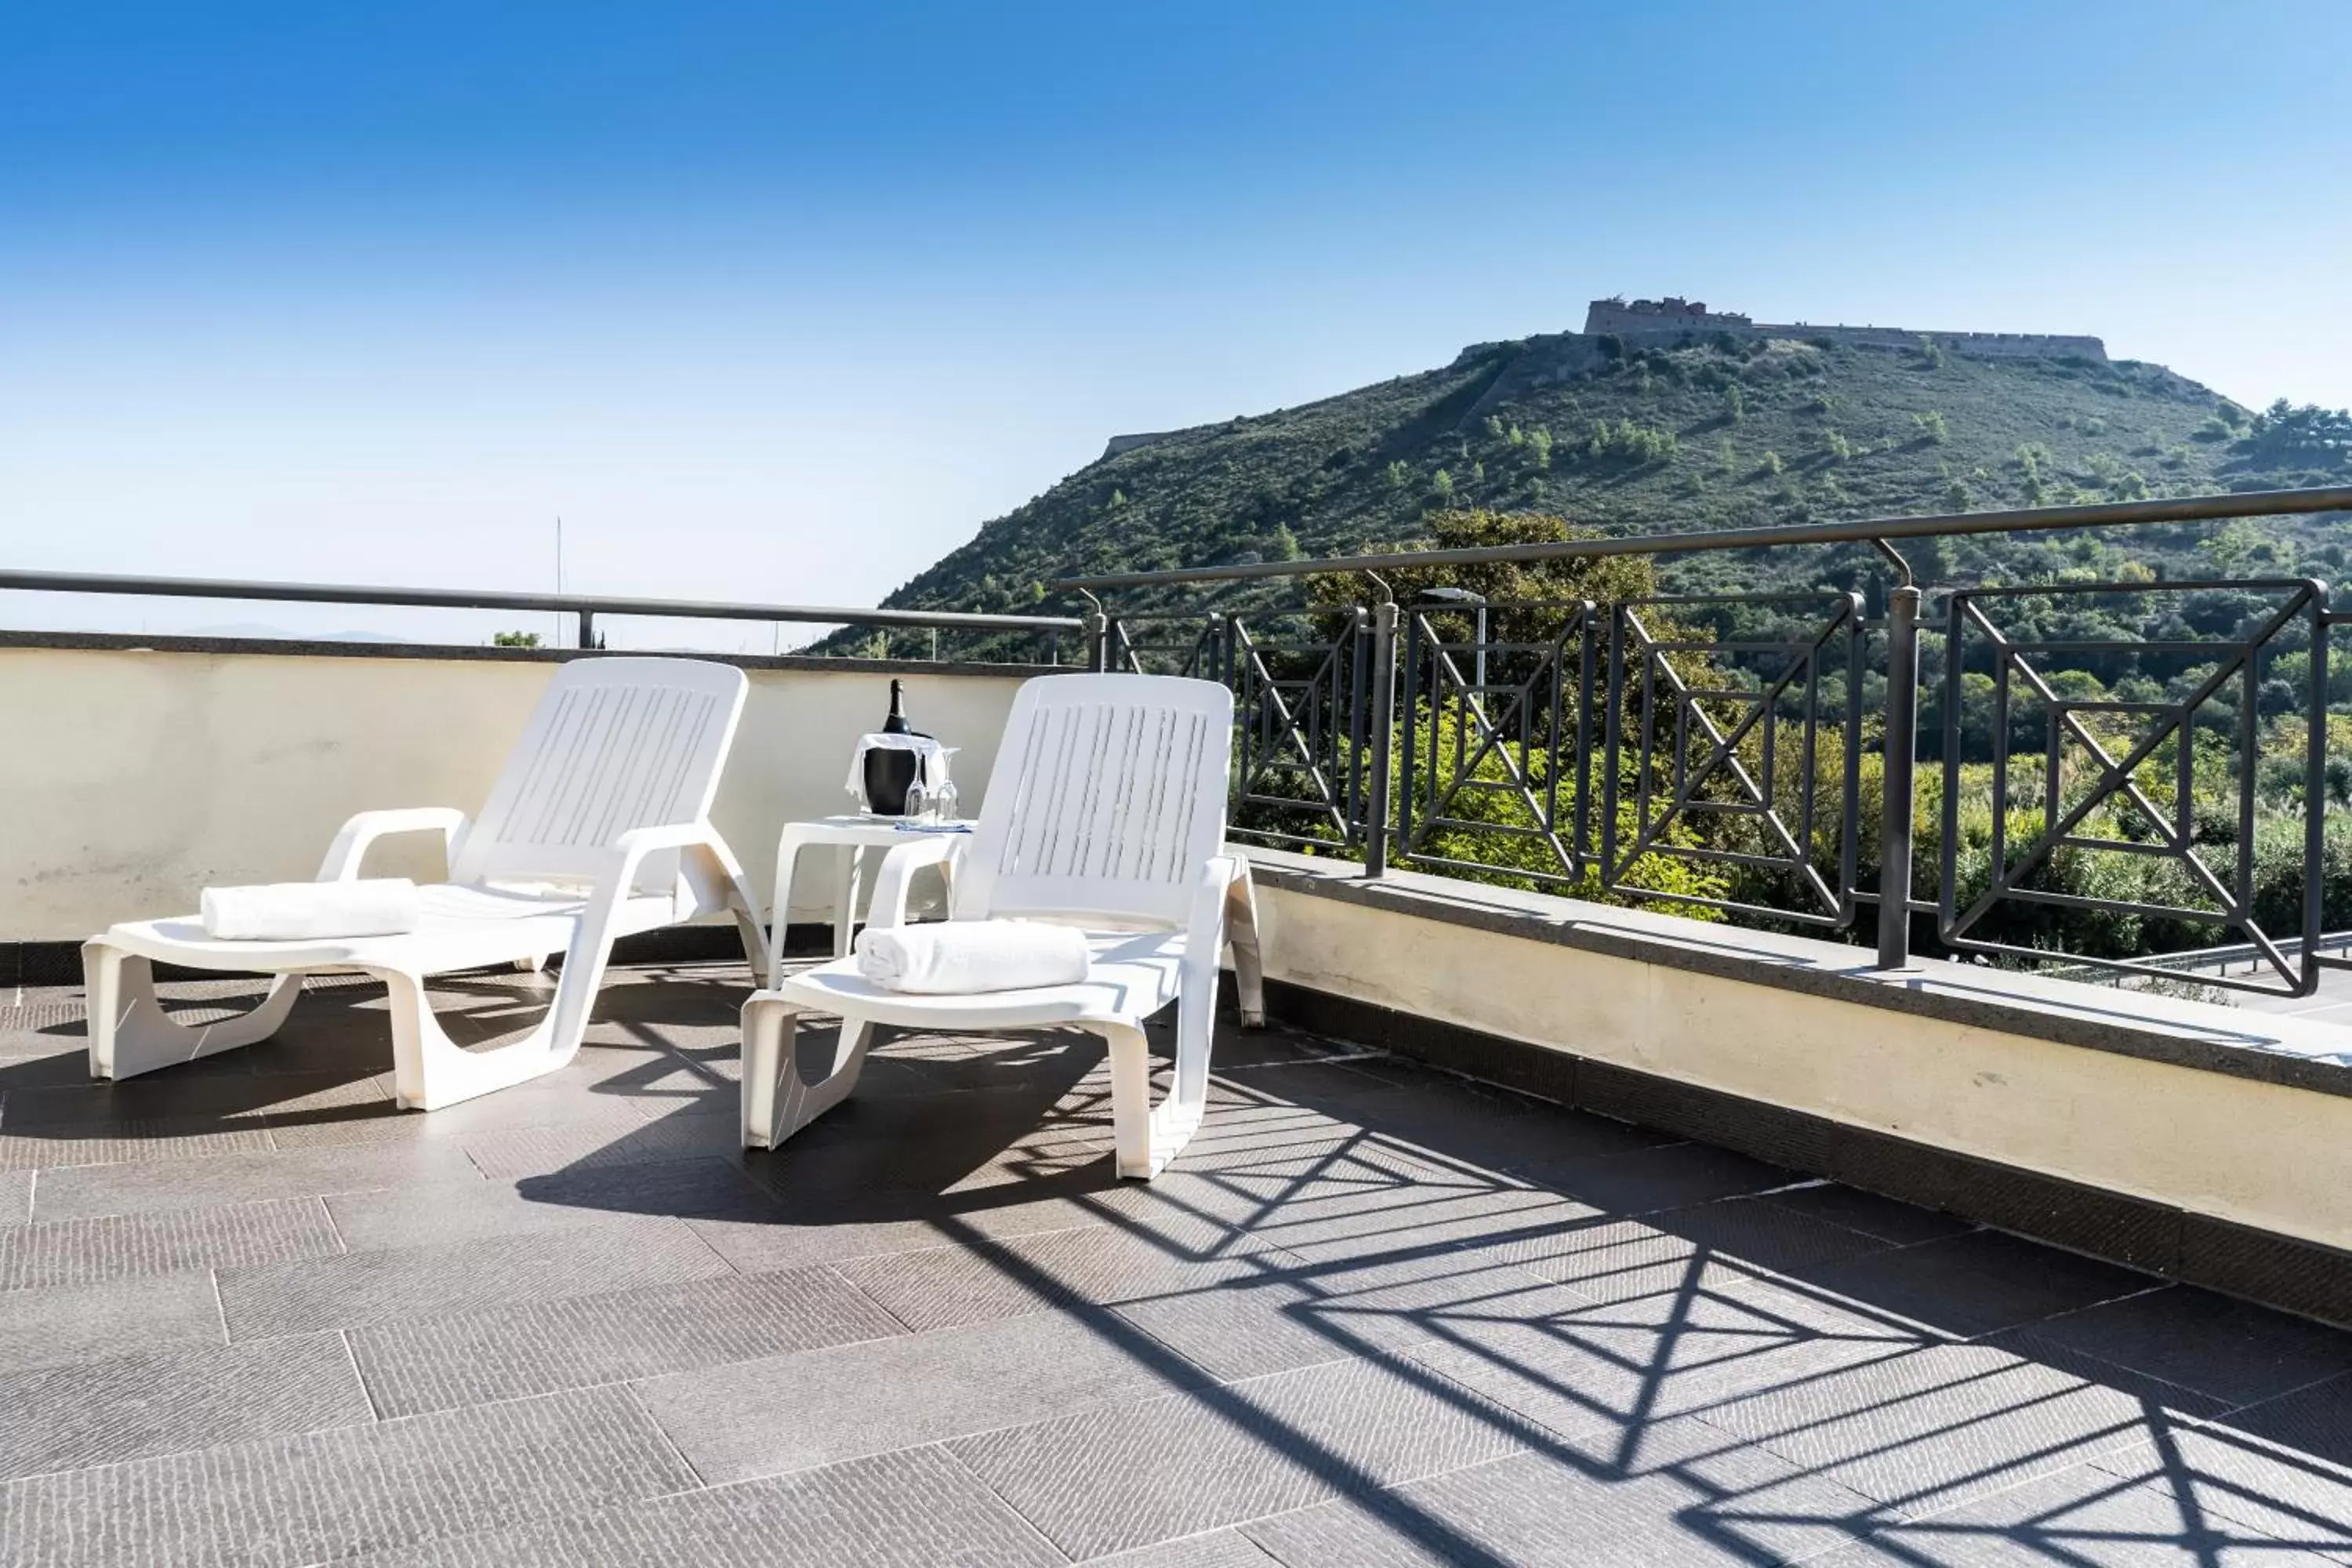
[{"x": 780, "y": 302}]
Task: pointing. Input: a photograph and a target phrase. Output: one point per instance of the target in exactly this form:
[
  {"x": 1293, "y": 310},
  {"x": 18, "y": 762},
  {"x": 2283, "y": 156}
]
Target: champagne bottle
[{"x": 890, "y": 772}]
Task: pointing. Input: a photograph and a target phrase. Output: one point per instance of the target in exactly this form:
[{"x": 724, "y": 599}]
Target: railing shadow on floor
[{"x": 1741, "y": 1379}]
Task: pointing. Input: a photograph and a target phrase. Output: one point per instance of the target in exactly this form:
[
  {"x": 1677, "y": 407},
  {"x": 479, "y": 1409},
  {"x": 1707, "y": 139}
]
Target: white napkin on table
[
  {"x": 305, "y": 912},
  {"x": 959, "y": 957}
]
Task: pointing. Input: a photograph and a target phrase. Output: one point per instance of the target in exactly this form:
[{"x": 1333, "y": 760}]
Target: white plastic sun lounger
[
  {"x": 1107, "y": 811},
  {"x": 597, "y": 829}
]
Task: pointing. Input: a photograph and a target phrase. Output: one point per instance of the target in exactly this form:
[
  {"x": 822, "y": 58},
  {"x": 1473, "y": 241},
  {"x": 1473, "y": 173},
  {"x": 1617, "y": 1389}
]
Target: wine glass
[{"x": 931, "y": 804}]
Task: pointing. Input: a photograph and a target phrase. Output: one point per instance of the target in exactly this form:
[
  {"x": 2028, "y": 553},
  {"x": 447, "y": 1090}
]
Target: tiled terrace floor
[{"x": 1374, "y": 1316}]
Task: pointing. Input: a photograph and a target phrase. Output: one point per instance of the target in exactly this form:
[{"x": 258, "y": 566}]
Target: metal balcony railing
[
  {"x": 1048, "y": 629},
  {"x": 1622, "y": 751}
]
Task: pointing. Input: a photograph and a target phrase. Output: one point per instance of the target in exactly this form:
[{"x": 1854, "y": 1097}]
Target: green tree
[
  {"x": 1604, "y": 578},
  {"x": 514, "y": 639}
]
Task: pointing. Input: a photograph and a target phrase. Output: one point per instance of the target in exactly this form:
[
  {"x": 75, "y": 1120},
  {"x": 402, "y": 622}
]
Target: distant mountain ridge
[{"x": 1690, "y": 428}]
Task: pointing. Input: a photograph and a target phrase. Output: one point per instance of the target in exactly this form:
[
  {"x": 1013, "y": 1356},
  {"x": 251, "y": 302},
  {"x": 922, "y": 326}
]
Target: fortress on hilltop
[
  {"x": 1662, "y": 324},
  {"x": 1689, "y": 318}
]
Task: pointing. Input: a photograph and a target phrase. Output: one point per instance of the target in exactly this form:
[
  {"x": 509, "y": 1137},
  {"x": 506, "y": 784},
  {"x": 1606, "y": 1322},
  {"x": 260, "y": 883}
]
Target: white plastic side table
[{"x": 853, "y": 836}]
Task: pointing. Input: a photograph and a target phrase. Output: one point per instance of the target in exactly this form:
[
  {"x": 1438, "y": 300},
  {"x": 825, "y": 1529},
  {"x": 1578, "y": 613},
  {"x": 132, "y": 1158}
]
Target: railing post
[
  {"x": 1383, "y": 730},
  {"x": 587, "y": 628},
  {"x": 1098, "y": 642},
  {"x": 1899, "y": 748}
]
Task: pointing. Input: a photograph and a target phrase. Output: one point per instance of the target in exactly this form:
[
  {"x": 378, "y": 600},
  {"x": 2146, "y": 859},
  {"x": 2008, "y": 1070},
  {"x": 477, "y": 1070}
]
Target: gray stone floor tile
[
  {"x": 50, "y": 1325},
  {"x": 31, "y": 1059},
  {"x": 224, "y": 1235},
  {"x": 1132, "y": 1474},
  {"x": 418, "y": 1215},
  {"x": 1285, "y": 1313},
  {"x": 1271, "y": 1137},
  {"x": 1002, "y": 1114},
  {"x": 542, "y": 1102},
  {"x": 92, "y": 1190},
  {"x": 284, "y": 1501},
  {"x": 16, "y": 1196},
  {"x": 228, "y": 1097},
  {"x": 1366, "y": 1203},
  {"x": 2081, "y": 1515},
  {"x": 946, "y": 1287},
  {"x": 1217, "y": 1549},
  {"x": 1929, "y": 1430},
  {"x": 436, "y": 1363},
  {"x": 1607, "y": 1368},
  {"x": 1899, "y": 1223},
  {"x": 360, "y": 1288},
  {"x": 1532, "y": 1511},
  {"x": 160, "y": 1402},
  {"x": 1979, "y": 1283},
  {"x": 791, "y": 1412},
  {"x": 2235, "y": 1351},
  {"x": 1647, "y": 1180},
  {"x": 602, "y": 1136},
  {"x": 1450, "y": 1117},
  {"x": 2282, "y": 1468},
  {"x": 857, "y": 1198},
  {"x": 1711, "y": 1246},
  {"x": 916, "y": 1508},
  {"x": 185, "y": 1138}
]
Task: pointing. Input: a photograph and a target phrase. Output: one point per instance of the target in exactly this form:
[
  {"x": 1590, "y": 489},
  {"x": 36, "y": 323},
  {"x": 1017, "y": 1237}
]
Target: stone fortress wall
[{"x": 1678, "y": 316}]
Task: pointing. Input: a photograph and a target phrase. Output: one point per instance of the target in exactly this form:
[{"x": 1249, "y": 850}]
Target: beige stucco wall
[
  {"x": 2245, "y": 1151},
  {"x": 129, "y": 779}
]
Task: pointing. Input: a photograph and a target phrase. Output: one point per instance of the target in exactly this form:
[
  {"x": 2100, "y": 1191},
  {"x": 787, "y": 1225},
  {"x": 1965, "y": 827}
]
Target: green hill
[{"x": 1720, "y": 432}]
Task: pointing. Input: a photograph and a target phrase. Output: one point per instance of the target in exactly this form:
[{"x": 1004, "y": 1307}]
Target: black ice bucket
[{"x": 889, "y": 774}]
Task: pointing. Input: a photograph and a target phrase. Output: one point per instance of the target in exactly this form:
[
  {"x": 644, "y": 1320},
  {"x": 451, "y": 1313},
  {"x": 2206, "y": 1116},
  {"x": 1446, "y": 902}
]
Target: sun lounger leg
[
  {"x": 1147, "y": 1136},
  {"x": 430, "y": 1070},
  {"x": 777, "y": 1100},
  {"x": 130, "y": 1033}
]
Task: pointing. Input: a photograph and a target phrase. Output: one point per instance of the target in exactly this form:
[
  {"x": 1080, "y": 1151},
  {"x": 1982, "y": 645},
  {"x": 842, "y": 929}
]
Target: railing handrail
[
  {"x": 2104, "y": 514},
  {"x": 491, "y": 599}
]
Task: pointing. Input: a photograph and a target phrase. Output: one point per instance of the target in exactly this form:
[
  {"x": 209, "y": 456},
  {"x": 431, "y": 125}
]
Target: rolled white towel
[
  {"x": 959, "y": 957},
  {"x": 305, "y": 912}
]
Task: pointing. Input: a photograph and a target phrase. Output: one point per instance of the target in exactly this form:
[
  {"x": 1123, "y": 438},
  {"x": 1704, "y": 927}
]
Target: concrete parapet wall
[
  {"x": 134, "y": 777},
  {"x": 2234, "y": 1115}
]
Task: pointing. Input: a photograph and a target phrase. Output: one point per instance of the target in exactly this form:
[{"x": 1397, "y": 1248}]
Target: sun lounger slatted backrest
[
  {"x": 615, "y": 743},
  {"x": 1108, "y": 793}
]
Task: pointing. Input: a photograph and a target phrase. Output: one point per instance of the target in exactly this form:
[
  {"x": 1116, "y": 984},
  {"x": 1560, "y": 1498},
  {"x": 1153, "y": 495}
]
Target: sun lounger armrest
[
  {"x": 592, "y": 943},
  {"x": 633, "y": 845},
  {"x": 898, "y": 867},
  {"x": 1203, "y": 933},
  {"x": 351, "y": 845}
]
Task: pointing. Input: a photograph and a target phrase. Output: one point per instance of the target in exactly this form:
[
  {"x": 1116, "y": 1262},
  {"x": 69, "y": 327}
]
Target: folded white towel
[
  {"x": 959, "y": 957},
  {"x": 305, "y": 912}
]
